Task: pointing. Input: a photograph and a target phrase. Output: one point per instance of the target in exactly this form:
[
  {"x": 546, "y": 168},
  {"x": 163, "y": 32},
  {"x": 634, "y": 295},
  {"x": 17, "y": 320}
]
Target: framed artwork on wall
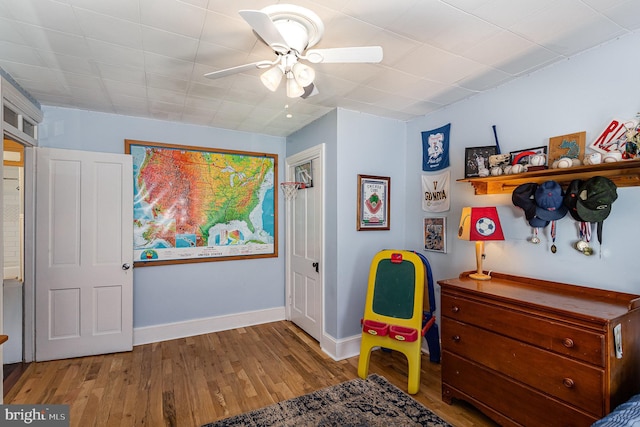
[
  {"x": 571, "y": 146},
  {"x": 435, "y": 234},
  {"x": 476, "y": 160},
  {"x": 374, "y": 197}
]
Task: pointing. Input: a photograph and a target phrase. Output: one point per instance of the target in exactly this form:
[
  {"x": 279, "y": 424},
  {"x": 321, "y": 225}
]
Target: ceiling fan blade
[
  {"x": 309, "y": 91},
  {"x": 238, "y": 69},
  {"x": 266, "y": 29},
  {"x": 372, "y": 54}
]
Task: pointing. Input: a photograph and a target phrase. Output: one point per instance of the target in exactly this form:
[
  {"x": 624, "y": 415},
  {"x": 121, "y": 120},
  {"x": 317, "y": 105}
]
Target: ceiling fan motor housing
[
  {"x": 300, "y": 27},
  {"x": 294, "y": 34}
]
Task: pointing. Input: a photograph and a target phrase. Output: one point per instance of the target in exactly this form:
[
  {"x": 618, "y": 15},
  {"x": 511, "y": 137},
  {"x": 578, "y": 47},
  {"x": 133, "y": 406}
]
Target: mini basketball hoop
[{"x": 290, "y": 189}]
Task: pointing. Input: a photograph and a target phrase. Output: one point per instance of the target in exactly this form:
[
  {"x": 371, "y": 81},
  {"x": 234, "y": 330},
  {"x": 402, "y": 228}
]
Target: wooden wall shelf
[{"x": 624, "y": 174}]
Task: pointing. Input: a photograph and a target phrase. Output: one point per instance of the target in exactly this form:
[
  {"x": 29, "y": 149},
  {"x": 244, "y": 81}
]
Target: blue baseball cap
[
  {"x": 549, "y": 201},
  {"x": 538, "y": 223}
]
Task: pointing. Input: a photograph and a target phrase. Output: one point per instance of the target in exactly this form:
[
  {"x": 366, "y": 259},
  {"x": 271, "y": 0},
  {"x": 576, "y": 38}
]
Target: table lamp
[{"x": 479, "y": 224}]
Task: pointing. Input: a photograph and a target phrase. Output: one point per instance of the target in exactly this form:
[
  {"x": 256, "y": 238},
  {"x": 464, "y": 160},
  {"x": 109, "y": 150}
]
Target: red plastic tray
[
  {"x": 375, "y": 328},
  {"x": 402, "y": 333}
]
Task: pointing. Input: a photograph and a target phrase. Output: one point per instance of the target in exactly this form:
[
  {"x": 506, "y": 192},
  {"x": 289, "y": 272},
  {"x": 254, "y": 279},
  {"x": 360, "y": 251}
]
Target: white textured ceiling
[{"x": 147, "y": 57}]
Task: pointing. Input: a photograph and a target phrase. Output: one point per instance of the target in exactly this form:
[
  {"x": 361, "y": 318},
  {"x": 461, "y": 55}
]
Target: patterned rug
[{"x": 356, "y": 403}]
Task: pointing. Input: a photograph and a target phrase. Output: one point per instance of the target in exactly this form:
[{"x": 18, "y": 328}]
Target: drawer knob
[
  {"x": 568, "y": 342},
  {"x": 568, "y": 383},
  {"x": 455, "y": 309},
  {"x": 455, "y": 338}
]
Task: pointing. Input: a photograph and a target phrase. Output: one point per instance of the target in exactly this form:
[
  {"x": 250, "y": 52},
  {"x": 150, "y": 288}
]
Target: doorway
[
  {"x": 305, "y": 242},
  {"x": 13, "y": 261}
]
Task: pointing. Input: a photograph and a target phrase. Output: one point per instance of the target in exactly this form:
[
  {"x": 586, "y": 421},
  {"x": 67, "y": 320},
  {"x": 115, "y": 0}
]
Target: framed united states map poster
[{"x": 195, "y": 204}]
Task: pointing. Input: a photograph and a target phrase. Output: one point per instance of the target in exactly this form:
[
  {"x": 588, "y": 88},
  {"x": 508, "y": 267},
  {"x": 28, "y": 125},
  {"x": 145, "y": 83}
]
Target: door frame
[
  {"x": 315, "y": 152},
  {"x": 28, "y": 287}
]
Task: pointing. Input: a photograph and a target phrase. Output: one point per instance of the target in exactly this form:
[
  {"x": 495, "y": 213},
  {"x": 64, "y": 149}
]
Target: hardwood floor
[
  {"x": 195, "y": 380},
  {"x": 11, "y": 374}
]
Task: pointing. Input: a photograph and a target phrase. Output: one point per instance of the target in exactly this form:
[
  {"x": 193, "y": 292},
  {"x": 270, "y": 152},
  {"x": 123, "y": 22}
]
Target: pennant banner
[
  {"x": 435, "y": 149},
  {"x": 435, "y": 191}
]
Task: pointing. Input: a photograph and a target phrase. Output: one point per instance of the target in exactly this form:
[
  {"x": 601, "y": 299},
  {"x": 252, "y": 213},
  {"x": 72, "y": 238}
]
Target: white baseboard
[
  {"x": 337, "y": 349},
  {"x": 188, "y": 328},
  {"x": 348, "y": 347},
  {"x": 342, "y": 348}
]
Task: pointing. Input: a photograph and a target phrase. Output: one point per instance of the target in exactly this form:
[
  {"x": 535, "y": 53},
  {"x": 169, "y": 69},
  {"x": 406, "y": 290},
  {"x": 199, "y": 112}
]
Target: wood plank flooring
[{"x": 196, "y": 380}]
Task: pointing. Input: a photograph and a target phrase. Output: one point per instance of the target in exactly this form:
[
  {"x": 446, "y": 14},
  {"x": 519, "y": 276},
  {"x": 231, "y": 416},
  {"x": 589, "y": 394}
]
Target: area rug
[{"x": 356, "y": 403}]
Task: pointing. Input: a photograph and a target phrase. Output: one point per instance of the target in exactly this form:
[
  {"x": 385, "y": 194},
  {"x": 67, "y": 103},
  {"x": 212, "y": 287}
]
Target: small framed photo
[
  {"x": 435, "y": 234},
  {"x": 571, "y": 146},
  {"x": 374, "y": 199},
  {"x": 476, "y": 160},
  {"x": 522, "y": 157},
  {"x": 304, "y": 174}
]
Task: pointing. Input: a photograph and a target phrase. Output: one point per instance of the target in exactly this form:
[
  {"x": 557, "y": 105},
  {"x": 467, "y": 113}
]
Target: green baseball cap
[{"x": 595, "y": 197}]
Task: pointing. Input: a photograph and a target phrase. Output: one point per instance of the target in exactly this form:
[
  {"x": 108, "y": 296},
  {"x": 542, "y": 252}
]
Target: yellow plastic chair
[{"x": 393, "y": 313}]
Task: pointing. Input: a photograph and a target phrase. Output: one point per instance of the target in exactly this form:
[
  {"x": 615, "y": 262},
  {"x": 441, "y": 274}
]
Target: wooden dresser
[{"x": 530, "y": 352}]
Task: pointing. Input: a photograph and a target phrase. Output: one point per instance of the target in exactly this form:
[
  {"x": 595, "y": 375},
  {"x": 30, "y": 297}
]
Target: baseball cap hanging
[
  {"x": 571, "y": 201},
  {"x": 523, "y": 197},
  {"x": 549, "y": 201},
  {"x": 537, "y": 222},
  {"x": 571, "y": 198},
  {"x": 595, "y": 197}
]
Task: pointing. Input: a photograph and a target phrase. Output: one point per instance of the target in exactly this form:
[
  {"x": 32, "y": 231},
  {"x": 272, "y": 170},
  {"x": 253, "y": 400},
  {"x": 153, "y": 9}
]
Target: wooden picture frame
[
  {"x": 571, "y": 145},
  {"x": 435, "y": 234},
  {"x": 374, "y": 200},
  {"x": 476, "y": 160},
  {"x": 200, "y": 204}
]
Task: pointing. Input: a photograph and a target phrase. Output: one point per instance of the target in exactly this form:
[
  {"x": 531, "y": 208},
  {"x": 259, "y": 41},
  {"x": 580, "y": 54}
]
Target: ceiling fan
[{"x": 290, "y": 31}]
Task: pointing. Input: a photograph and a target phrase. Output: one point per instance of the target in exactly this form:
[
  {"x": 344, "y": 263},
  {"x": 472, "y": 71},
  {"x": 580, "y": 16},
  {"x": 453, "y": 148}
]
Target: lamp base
[{"x": 479, "y": 276}]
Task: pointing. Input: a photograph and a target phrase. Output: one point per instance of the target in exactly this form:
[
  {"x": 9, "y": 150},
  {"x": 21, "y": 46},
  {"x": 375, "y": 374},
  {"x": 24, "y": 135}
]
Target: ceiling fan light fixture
[
  {"x": 294, "y": 90},
  {"x": 271, "y": 78},
  {"x": 303, "y": 74}
]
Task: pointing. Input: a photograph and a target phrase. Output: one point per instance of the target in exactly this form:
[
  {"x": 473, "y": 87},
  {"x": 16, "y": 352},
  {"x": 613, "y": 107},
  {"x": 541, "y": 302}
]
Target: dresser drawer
[
  {"x": 539, "y": 331},
  {"x": 571, "y": 381},
  {"x": 462, "y": 379}
]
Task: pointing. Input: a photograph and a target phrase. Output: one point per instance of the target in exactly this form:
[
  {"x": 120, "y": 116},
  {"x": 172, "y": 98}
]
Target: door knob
[
  {"x": 316, "y": 265},
  {"x": 126, "y": 266}
]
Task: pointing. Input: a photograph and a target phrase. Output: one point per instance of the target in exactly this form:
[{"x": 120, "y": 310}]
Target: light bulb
[
  {"x": 303, "y": 74},
  {"x": 294, "y": 90},
  {"x": 271, "y": 78}
]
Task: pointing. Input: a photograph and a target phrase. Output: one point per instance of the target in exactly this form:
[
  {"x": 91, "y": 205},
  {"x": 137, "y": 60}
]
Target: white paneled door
[
  {"x": 84, "y": 253},
  {"x": 304, "y": 232}
]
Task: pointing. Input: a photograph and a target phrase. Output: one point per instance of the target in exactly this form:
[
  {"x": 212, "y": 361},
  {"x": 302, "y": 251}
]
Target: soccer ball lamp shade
[{"x": 479, "y": 224}]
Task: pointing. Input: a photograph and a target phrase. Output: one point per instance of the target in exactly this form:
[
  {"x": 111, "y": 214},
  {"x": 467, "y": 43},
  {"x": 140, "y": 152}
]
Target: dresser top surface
[{"x": 583, "y": 301}]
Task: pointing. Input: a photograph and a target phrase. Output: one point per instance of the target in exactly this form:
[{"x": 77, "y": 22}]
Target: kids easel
[{"x": 397, "y": 312}]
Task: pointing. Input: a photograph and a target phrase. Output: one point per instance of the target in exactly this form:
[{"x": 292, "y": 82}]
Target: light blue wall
[
  {"x": 367, "y": 145},
  {"x": 356, "y": 143},
  {"x": 175, "y": 293},
  {"x": 582, "y": 93},
  {"x": 324, "y": 131}
]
